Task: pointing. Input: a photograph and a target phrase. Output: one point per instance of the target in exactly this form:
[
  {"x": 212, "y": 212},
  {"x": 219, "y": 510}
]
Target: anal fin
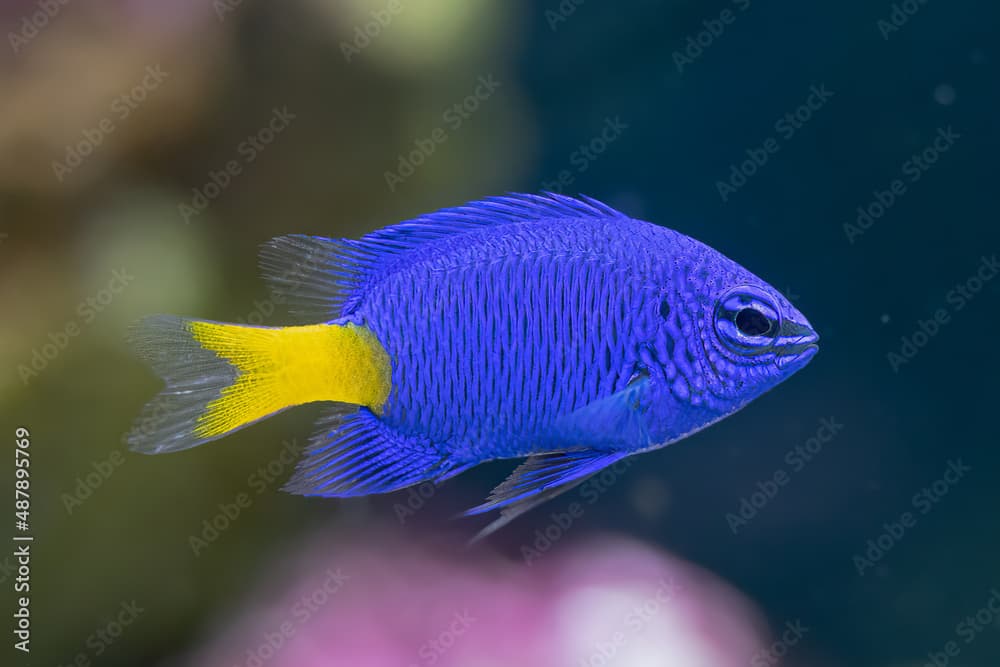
[{"x": 356, "y": 454}]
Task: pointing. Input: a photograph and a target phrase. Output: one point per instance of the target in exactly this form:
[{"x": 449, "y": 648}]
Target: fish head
[
  {"x": 726, "y": 336},
  {"x": 759, "y": 339}
]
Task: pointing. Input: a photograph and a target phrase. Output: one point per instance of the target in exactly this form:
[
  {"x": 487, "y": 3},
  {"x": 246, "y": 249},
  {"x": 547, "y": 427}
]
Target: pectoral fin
[{"x": 615, "y": 421}]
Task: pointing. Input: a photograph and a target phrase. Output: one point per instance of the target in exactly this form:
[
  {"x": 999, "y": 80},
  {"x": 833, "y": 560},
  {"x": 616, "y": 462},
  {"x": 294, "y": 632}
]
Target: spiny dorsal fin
[{"x": 321, "y": 278}]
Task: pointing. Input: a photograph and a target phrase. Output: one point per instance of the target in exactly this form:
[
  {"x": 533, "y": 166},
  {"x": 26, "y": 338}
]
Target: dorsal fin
[{"x": 319, "y": 278}]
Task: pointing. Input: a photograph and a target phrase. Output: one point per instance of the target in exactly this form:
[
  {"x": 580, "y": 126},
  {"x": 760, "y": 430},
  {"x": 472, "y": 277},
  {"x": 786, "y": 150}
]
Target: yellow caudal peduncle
[{"x": 285, "y": 366}]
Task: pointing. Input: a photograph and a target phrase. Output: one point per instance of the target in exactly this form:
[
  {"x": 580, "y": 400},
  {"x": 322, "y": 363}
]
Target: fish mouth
[
  {"x": 796, "y": 349},
  {"x": 796, "y": 343},
  {"x": 799, "y": 356}
]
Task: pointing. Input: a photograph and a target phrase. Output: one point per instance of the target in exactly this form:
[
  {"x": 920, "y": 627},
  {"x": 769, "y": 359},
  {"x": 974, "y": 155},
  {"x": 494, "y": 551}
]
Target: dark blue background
[{"x": 787, "y": 223}]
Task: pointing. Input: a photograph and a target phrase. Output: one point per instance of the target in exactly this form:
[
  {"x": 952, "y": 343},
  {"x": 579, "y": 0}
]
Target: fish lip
[
  {"x": 801, "y": 348},
  {"x": 797, "y": 348},
  {"x": 799, "y": 352},
  {"x": 796, "y": 333},
  {"x": 796, "y": 361},
  {"x": 812, "y": 348}
]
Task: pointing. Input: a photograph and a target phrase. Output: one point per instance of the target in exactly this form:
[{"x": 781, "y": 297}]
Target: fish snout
[{"x": 796, "y": 342}]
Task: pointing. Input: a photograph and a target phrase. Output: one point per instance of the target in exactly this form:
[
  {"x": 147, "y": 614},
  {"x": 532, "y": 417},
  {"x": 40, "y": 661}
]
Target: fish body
[{"x": 545, "y": 327}]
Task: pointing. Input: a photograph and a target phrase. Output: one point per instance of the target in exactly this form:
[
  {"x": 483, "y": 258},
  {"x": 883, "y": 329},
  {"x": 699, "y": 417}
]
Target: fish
[{"x": 542, "y": 327}]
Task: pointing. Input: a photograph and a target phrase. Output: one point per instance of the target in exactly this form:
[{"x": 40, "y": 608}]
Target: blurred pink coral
[{"x": 598, "y": 602}]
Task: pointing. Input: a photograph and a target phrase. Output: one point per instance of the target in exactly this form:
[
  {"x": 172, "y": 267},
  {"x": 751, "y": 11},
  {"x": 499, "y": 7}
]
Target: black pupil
[{"x": 752, "y": 322}]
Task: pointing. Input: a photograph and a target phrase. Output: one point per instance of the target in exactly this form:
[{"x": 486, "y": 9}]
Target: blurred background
[{"x": 846, "y": 152}]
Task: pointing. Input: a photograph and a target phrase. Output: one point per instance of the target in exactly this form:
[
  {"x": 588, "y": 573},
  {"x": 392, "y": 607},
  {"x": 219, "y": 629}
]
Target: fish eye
[
  {"x": 747, "y": 320},
  {"x": 752, "y": 322}
]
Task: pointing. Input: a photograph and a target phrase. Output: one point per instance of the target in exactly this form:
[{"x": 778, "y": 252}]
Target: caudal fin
[{"x": 222, "y": 377}]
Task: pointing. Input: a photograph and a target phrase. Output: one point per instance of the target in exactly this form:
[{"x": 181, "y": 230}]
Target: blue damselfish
[{"x": 539, "y": 326}]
